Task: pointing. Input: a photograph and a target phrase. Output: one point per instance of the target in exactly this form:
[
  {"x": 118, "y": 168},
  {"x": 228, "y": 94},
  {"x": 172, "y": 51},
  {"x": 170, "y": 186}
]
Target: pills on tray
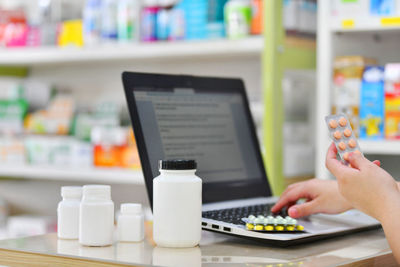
[
  {"x": 352, "y": 143},
  {"x": 342, "y": 135},
  {"x": 342, "y": 121},
  {"x": 347, "y": 132},
  {"x": 342, "y": 146},
  {"x": 272, "y": 224},
  {"x": 333, "y": 124},
  {"x": 337, "y": 135}
]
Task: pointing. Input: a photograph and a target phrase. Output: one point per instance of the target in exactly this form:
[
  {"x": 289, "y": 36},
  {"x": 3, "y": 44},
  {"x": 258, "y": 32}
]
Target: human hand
[
  {"x": 364, "y": 184},
  {"x": 322, "y": 197}
]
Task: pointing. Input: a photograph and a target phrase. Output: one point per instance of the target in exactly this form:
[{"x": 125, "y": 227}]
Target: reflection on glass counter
[{"x": 215, "y": 249}]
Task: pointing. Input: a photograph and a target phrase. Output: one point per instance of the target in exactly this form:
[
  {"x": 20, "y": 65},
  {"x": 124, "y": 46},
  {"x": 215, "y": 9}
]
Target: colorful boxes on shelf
[
  {"x": 392, "y": 101},
  {"x": 372, "y": 111},
  {"x": 347, "y": 77},
  {"x": 369, "y": 95}
]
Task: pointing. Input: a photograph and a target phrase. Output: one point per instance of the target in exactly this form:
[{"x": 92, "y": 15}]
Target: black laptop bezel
[{"x": 212, "y": 192}]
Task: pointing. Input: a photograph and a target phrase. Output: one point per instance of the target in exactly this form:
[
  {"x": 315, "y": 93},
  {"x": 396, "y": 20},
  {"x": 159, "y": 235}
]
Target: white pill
[{"x": 258, "y": 220}]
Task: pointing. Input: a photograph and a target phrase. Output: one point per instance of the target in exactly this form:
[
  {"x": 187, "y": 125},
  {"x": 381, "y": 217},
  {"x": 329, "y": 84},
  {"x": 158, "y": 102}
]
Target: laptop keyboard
[{"x": 235, "y": 215}]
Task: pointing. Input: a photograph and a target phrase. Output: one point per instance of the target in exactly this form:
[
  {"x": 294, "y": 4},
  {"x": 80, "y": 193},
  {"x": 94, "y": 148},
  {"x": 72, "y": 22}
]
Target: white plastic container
[
  {"x": 128, "y": 20},
  {"x": 237, "y": 15},
  {"x": 177, "y": 204},
  {"x": 130, "y": 223},
  {"x": 68, "y": 212},
  {"x": 96, "y": 222},
  {"x": 92, "y": 22}
]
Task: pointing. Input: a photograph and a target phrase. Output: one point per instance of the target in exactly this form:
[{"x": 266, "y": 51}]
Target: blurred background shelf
[
  {"x": 156, "y": 51},
  {"x": 366, "y": 24},
  {"x": 87, "y": 175},
  {"x": 300, "y": 52},
  {"x": 381, "y": 147}
]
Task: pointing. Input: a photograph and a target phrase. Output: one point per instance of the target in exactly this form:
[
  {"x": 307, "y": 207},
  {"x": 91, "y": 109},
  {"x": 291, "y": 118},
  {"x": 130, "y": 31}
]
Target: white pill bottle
[
  {"x": 96, "y": 221},
  {"x": 177, "y": 204},
  {"x": 130, "y": 223},
  {"x": 68, "y": 212}
]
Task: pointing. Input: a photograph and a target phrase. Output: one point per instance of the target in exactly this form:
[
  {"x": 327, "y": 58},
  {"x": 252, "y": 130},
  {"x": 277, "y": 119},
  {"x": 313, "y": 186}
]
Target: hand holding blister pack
[{"x": 341, "y": 133}]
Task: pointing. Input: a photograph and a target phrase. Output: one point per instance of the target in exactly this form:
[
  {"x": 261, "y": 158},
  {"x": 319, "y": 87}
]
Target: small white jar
[
  {"x": 96, "y": 222},
  {"x": 177, "y": 204},
  {"x": 68, "y": 212},
  {"x": 130, "y": 223}
]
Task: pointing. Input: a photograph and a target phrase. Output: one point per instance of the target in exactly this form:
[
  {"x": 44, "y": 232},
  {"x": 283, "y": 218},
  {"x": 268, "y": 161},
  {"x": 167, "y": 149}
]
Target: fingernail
[{"x": 293, "y": 212}]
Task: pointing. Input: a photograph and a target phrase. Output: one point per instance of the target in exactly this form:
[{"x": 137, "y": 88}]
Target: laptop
[{"x": 209, "y": 120}]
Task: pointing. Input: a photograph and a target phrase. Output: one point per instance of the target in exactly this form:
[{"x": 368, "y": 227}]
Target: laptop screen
[
  {"x": 209, "y": 127},
  {"x": 202, "y": 118}
]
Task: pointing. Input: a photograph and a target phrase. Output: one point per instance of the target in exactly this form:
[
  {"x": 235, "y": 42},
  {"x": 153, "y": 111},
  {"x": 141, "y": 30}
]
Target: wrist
[{"x": 390, "y": 210}]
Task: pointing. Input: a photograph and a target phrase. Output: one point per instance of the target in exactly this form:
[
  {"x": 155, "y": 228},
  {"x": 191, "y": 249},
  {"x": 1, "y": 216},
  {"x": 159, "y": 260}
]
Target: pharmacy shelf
[
  {"x": 299, "y": 52},
  {"x": 367, "y": 24},
  {"x": 141, "y": 51},
  {"x": 381, "y": 147},
  {"x": 87, "y": 175}
]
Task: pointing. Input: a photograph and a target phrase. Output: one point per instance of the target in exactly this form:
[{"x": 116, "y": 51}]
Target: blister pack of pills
[
  {"x": 342, "y": 135},
  {"x": 272, "y": 224}
]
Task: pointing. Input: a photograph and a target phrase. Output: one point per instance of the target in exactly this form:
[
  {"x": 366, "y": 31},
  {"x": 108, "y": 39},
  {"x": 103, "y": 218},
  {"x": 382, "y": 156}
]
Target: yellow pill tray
[{"x": 272, "y": 224}]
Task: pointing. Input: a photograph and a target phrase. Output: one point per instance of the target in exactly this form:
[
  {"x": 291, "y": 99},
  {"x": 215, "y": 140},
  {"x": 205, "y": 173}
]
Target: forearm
[{"x": 390, "y": 226}]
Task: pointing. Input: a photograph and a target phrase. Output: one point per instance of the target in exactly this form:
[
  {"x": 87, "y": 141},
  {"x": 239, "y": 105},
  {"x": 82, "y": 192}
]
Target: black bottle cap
[{"x": 177, "y": 164}]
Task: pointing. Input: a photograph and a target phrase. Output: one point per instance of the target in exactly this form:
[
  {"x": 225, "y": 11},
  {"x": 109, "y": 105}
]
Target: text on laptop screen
[{"x": 211, "y": 128}]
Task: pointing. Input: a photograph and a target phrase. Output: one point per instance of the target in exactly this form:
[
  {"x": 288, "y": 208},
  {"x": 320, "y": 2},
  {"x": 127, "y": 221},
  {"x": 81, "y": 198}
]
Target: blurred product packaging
[
  {"x": 114, "y": 147},
  {"x": 12, "y": 113},
  {"x": 22, "y": 226},
  {"x": 58, "y": 151},
  {"x": 350, "y": 9},
  {"x": 33, "y": 91},
  {"x": 13, "y": 28},
  {"x": 71, "y": 33},
  {"x": 362, "y": 9},
  {"x": 257, "y": 21},
  {"x": 148, "y": 21},
  {"x": 92, "y": 22},
  {"x": 196, "y": 18},
  {"x": 215, "y": 23},
  {"x": 130, "y": 156},
  {"x": 392, "y": 101},
  {"x": 237, "y": 18},
  {"x": 12, "y": 150},
  {"x": 347, "y": 77},
  {"x": 300, "y": 16},
  {"x": 55, "y": 119},
  {"x": 383, "y": 7},
  {"x": 163, "y": 24},
  {"x": 104, "y": 115},
  {"x": 109, "y": 24},
  {"x": 128, "y": 20},
  {"x": 372, "y": 103}
]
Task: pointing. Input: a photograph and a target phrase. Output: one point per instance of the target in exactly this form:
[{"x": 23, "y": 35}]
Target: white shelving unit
[
  {"x": 87, "y": 175},
  {"x": 384, "y": 147},
  {"x": 376, "y": 37},
  {"x": 140, "y": 51}
]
